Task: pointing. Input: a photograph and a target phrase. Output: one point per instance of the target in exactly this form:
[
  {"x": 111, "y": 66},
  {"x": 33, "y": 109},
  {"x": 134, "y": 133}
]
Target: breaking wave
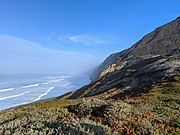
[
  {"x": 8, "y": 89},
  {"x": 44, "y": 94},
  {"x": 29, "y": 86},
  {"x": 13, "y": 96}
]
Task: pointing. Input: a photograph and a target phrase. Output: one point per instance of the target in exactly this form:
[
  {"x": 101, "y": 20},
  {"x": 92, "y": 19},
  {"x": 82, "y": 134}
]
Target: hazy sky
[{"x": 72, "y": 36}]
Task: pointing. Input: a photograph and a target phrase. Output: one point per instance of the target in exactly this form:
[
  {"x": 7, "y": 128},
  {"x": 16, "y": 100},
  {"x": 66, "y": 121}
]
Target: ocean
[{"x": 21, "y": 89}]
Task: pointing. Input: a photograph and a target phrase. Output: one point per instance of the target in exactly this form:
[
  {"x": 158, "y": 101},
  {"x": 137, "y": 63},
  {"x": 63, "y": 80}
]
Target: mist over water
[
  {"x": 30, "y": 71},
  {"x": 21, "y": 56},
  {"x": 22, "y": 89}
]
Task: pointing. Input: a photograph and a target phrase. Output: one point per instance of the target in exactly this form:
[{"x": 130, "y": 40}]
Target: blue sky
[{"x": 74, "y": 33}]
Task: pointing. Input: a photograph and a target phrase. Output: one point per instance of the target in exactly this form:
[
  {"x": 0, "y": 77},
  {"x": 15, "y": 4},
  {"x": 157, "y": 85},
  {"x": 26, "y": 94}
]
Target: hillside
[
  {"x": 153, "y": 59},
  {"x": 136, "y": 91},
  {"x": 163, "y": 41}
]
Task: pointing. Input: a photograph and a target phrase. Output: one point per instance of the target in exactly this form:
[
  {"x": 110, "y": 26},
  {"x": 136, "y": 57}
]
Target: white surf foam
[
  {"x": 8, "y": 89},
  {"x": 44, "y": 94},
  {"x": 55, "y": 81},
  {"x": 52, "y": 81},
  {"x": 66, "y": 84},
  {"x": 45, "y": 83},
  {"x": 13, "y": 96},
  {"x": 28, "y": 86},
  {"x": 56, "y": 77}
]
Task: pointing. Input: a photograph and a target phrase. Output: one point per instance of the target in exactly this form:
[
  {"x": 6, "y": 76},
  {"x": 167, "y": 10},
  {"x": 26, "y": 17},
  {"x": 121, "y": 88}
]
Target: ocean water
[{"x": 22, "y": 89}]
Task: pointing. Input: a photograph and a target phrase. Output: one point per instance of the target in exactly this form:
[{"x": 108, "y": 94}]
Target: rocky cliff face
[
  {"x": 136, "y": 91},
  {"x": 163, "y": 41},
  {"x": 107, "y": 63},
  {"x": 153, "y": 59}
]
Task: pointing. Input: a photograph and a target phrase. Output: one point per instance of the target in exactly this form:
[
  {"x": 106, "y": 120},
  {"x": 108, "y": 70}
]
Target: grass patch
[{"x": 155, "y": 110}]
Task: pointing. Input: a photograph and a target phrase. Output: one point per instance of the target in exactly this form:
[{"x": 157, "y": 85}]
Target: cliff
[
  {"x": 136, "y": 91},
  {"x": 153, "y": 59},
  {"x": 163, "y": 41}
]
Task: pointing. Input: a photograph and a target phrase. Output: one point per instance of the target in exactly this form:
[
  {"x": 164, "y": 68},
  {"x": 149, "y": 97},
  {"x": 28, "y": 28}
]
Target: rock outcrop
[
  {"x": 163, "y": 41},
  {"x": 153, "y": 59},
  {"x": 136, "y": 91}
]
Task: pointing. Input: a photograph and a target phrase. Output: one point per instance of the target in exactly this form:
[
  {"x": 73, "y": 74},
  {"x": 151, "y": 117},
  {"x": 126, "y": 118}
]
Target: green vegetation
[{"x": 155, "y": 112}]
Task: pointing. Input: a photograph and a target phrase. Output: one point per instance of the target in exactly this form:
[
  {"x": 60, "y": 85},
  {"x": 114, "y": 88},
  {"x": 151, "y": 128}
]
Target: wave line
[
  {"x": 8, "y": 89},
  {"x": 44, "y": 94},
  {"x": 13, "y": 96}
]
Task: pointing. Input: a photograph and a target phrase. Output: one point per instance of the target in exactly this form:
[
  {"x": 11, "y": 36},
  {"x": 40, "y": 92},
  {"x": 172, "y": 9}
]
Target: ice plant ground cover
[{"x": 155, "y": 110}]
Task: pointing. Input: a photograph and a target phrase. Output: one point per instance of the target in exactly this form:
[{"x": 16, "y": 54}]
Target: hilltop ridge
[
  {"x": 136, "y": 91},
  {"x": 163, "y": 41}
]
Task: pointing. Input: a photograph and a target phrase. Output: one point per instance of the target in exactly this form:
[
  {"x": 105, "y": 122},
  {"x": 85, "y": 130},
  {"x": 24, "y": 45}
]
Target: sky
[{"x": 74, "y": 36}]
